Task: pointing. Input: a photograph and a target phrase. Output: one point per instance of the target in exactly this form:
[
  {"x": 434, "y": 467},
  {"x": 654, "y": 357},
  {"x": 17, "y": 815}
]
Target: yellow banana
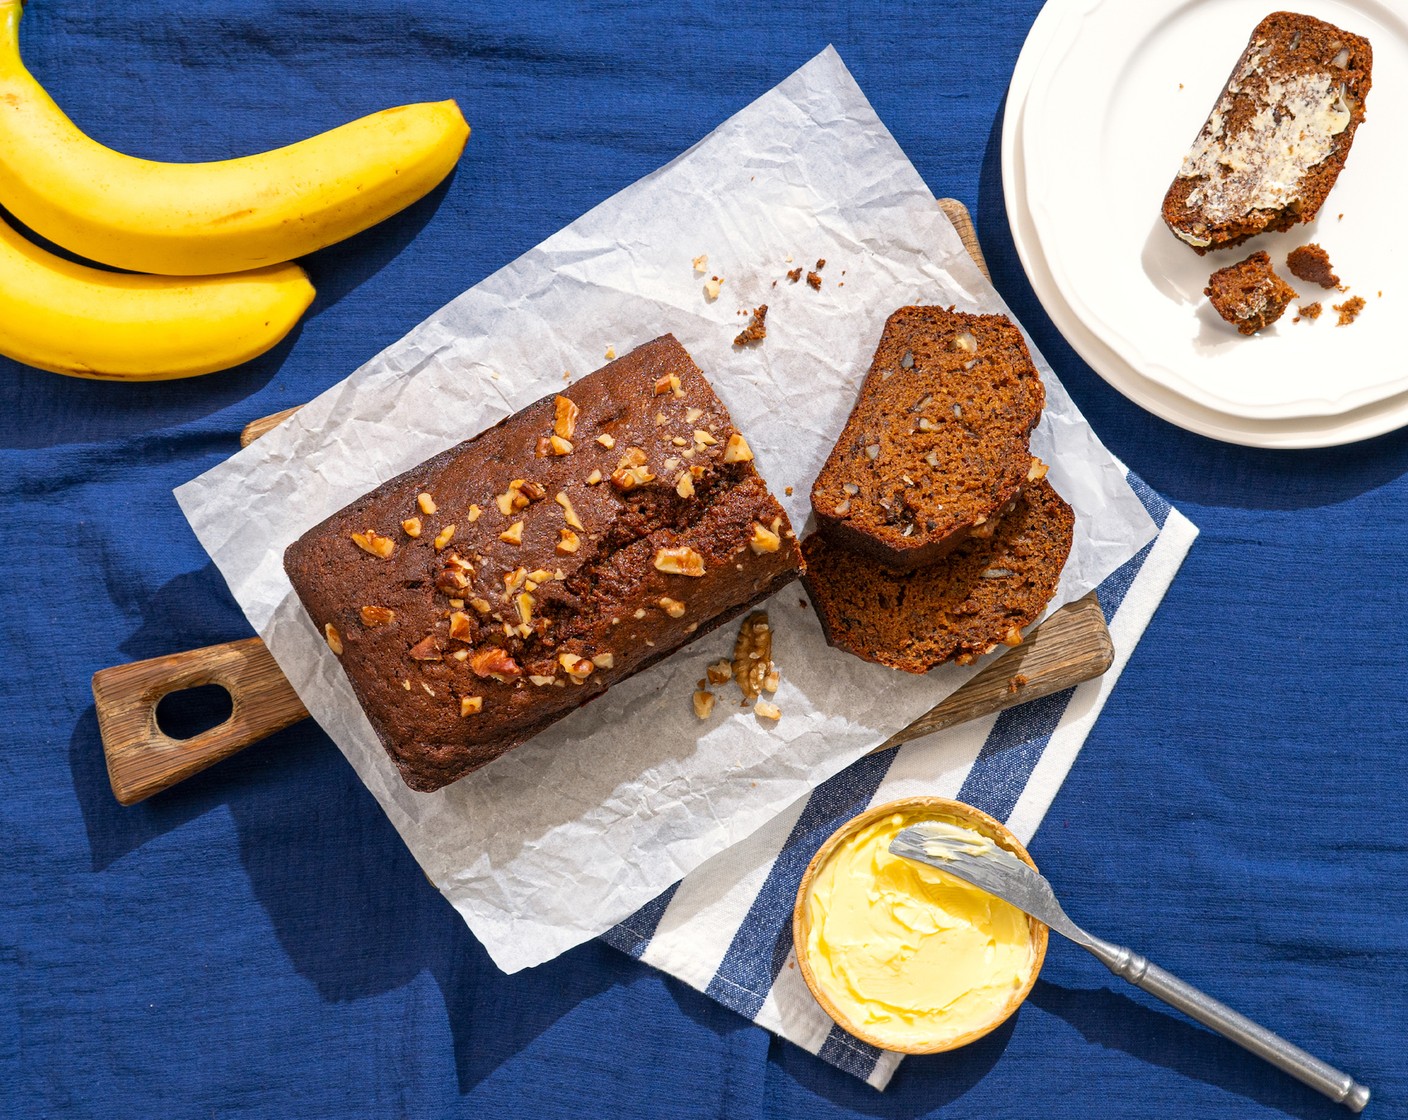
[
  {"x": 115, "y": 326},
  {"x": 196, "y": 219}
]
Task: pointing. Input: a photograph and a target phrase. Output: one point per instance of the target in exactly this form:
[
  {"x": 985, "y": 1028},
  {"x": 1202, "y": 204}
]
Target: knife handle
[
  {"x": 1143, "y": 973},
  {"x": 142, "y": 759}
]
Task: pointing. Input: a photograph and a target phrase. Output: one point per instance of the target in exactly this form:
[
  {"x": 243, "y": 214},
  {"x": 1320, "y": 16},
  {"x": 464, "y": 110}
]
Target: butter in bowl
[{"x": 902, "y": 955}]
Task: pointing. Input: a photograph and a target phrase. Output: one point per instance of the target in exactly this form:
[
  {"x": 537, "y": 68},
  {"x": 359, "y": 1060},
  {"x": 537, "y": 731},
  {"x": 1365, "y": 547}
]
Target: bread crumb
[
  {"x": 757, "y": 330},
  {"x": 610, "y": 353},
  {"x": 1310, "y": 311},
  {"x": 795, "y": 274},
  {"x": 1349, "y": 310},
  {"x": 787, "y": 490},
  {"x": 1017, "y": 682},
  {"x": 814, "y": 281},
  {"x": 1311, "y": 263}
]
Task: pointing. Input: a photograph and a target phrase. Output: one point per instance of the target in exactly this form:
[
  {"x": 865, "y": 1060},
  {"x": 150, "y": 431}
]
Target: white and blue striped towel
[{"x": 726, "y": 928}]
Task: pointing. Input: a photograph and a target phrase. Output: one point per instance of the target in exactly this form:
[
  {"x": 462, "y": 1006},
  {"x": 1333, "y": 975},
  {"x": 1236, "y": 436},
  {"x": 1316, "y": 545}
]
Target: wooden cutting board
[{"x": 1071, "y": 646}]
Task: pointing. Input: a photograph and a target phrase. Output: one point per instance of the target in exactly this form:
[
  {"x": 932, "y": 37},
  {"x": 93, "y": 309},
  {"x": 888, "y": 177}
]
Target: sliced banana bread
[
  {"x": 937, "y": 444},
  {"x": 1278, "y": 136},
  {"x": 979, "y": 596}
]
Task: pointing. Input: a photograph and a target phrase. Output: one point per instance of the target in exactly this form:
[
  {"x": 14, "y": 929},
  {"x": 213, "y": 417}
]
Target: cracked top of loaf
[{"x": 488, "y": 592}]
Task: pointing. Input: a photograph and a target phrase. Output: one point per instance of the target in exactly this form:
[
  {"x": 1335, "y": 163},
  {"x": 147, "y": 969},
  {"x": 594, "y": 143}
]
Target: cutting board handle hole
[{"x": 188, "y": 712}]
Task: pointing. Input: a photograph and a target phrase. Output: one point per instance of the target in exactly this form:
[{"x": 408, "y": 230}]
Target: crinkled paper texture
[{"x": 560, "y": 839}]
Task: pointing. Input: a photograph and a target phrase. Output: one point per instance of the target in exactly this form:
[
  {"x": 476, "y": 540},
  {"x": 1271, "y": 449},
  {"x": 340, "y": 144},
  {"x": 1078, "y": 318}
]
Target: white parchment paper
[{"x": 565, "y": 836}]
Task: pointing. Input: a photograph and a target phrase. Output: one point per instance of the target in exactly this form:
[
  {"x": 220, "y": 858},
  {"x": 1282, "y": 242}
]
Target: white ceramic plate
[
  {"x": 1055, "y": 28},
  {"x": 1106, "y": 127}
]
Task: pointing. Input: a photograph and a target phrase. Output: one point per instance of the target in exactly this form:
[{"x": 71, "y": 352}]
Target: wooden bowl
[{"x": 936, "y": 808}]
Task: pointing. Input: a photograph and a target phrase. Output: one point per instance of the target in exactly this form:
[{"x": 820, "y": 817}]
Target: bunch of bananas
[{"x": 216, "y": 237}]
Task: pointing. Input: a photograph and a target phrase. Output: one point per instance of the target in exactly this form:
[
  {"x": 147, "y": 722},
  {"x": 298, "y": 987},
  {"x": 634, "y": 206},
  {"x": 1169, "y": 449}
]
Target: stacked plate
[{"x": 1105, "y": 100}]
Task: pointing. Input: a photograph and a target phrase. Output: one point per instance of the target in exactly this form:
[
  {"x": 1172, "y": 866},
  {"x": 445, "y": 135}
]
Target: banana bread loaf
[
  {"x": 977, "y": 597},
  {"x": 937, "y": 446},
  {"x": 493, "y": 589},
  {"x": 1277, "y": 137}
]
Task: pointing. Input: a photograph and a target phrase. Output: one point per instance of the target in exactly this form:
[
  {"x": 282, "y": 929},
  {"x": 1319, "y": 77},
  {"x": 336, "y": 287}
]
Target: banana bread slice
[
  {"x": 979, "y": 596},
  {"x": 490, "y": 591},
  {"x": 1278, "y": 136},
  {"x": 937, "y": 445}
]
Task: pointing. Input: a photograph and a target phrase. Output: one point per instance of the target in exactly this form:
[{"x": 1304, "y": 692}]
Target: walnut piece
[
  {"x": 763, "y": 540},
  {"x": 426, "y": 503},
  {"x": 752, "y": 654},
  {"x": 427, "y": 649},
  {"x": 560, "y": 446},
  {"x": 473, "y": 514},
  {"x": 471, "y": 705},
  {"x": 461, "y": 628},
  {"x": 767, "y": 711},
  {"x": 703, "y": 703},
  {"x": 334, "y": 638},
  {"x": 737, "y": 450},
  {"x": 444, "y": 537},
  {"x": 681, "y": 561},
  {"x": 607, "y": 440},
  {"x": 578, "y": 668},
  {"x": 568, "y": 513},
  {"x": 377, "y": 616},
  {"x": 564, "y": 421},
  {"x": 684, "y": 486},
  {"x": 672, "y": 607},
  {"x": 569, "y": 542},
  {"x": 720, "y": 672},
  {"x": 513, "y": 534},
  {"x": 492, "y": 661},
  {"x": 604, "y": 660},
  {"x": 411, "y": 527},
  {"x": 373, "y": 542}
]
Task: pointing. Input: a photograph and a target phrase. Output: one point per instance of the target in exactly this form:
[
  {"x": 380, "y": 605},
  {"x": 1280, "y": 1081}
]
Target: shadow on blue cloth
[{"x": 1281, "y": 480}]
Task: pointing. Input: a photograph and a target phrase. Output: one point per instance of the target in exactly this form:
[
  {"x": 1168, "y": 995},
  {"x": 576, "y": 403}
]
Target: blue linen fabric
[{"x": 258, "y": 943}]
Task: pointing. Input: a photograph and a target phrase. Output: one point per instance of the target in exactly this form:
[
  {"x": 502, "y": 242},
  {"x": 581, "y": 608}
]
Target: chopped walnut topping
[
  {"x": 411, "y": 527},
  {"x": 703, "y": 438},
  {"x": 569, "y": 542},
  {"x": 560, "y": 446},
  {"x": 473, "y": 514},
  {"x": 461, "y": 628},
  {"x": 427, "y": 649},
  {"x": 471, "y": 705},
  {"x": 1037, "y": 471},
  {"x": 568, "y": 513},
  {"x": 426, "y": 504},
  {"x": 763, "y": 540},
  {"x": 672, "y": 607},
  {"x": 460, "y": 654},
  {"x": 543, "y": 448},
  {"x": 377, "y": 616},
  {"x": 604, "y": 661},
  {"x": 607, "y": 440},
  {"x": 373, "y": 542},
  {"x": 493, "y": 661},
  {"x": 692, "y": 414},
  {"x": 752, "y": 654},
  {"x": 670, "y": 383},
  {"x": 334, "y": 638},
  {"x": 628, "y": 478},
  {"x": 684, "y": 485},
  {"x": 541, "y": 680},
  {"x": 680, "y": 561},
  {"x": 593, "y": 478},
  {"x": 513, "y": 534},
  {"x": 444, "y": 537},
  {"x": 703, "y": 703},
  {"x": 578, "y": 668},
  {"x": 737, "y": 450},
  {"x": 525, "y": 603},
  {"x": 481, "y": 605},
  {"x": 514, "y": 580},
  {"x": 767, "y": 711},
  {"x": 564, "y": 422}
]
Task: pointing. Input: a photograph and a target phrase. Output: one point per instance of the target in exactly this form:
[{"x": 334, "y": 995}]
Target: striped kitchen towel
[{"x": 726, "y": 928}]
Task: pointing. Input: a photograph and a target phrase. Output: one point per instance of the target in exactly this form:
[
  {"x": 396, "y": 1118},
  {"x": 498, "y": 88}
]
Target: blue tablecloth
[{"x": 258, "y": 943}]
